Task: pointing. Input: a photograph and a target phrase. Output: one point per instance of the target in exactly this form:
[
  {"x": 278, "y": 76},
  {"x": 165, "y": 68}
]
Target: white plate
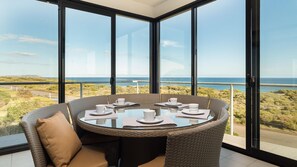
[
  {"x": 188, "y": 112},
  {"x": 126, "y": 104},
  {"x": 106, "y": 112},
  {"x": 173, "y": 105},
  {"x": 155, "y": 121}
]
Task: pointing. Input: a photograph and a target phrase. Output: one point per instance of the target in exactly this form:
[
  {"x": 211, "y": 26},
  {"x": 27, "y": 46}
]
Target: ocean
[{"x": 185, "y": 81}]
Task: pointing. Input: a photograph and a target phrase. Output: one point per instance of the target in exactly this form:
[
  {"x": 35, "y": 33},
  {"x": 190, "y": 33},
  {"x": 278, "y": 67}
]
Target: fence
[{"x": 138, "y": 82}]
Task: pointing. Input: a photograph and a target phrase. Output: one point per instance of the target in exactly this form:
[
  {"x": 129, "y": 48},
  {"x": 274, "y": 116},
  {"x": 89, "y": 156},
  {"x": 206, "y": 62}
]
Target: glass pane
[
  {"x": 278, "y": 65},
  {"x": 132, "y": 50},
  {"x": 175, "y": 50},
  {"x": 88, "y": 56},
  {"x": 221, "y": 61},
  {"x": 28, "y": 53}
]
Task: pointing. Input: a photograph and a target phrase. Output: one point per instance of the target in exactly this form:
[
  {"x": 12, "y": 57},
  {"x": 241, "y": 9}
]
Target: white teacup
[
  {"x": 149, "y": 115},
  {"x": 172, "y": 100},
  {"x": 193, "y": 107},
  {"x": 120, "y": 101},
  {"x": 100, "y": 108}
]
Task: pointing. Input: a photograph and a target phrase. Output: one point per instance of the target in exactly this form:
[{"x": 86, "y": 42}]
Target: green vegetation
[{"x": 278, "y": 109}]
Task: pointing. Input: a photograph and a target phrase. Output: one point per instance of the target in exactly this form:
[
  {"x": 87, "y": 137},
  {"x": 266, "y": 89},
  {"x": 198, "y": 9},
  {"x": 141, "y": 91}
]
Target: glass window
[
  {"x": 88, "y": 54},
  {"x": 221, "y": 61},
  {"x": 175, "y": 50},
  {"x": 28, "y": 53},
  {"x": 132, "y": 55},
  {"x": 278, "y": 72}
]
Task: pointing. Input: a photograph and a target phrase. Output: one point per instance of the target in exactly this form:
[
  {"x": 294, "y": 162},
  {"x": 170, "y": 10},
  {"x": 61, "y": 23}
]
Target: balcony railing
[{"x": 167, "y": 83}]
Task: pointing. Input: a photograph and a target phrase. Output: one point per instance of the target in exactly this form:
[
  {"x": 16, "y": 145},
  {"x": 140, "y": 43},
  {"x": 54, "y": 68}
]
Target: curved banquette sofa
[{"x": 72, "y": 109}]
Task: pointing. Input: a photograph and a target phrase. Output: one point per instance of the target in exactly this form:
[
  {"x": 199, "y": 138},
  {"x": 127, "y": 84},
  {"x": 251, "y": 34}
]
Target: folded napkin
[
  {"x": 164, "y": 105},
  {"x": 128, "y": 104},
  {"x": 88, "y": 115},
  {"x": 131, "y": 122},
  {"x": 200, "y": 116}
]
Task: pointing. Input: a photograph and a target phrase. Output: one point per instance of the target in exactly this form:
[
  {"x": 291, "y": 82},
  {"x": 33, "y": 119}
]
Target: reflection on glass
[
  {"x": 132, "y": 55},
  {"x": 88, "y": 56},
  {"x": 221, "y": 61},
  {"x": 28, "y": 53},
  {"x": 175, "y": 50},
  {"x": 278, "y": 99}
]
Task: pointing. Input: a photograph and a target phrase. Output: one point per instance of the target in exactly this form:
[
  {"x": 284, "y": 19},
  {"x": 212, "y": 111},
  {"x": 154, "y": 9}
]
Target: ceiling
[
  {"x": 152, "y": 3},
  {"x": 149, "y": 8}
]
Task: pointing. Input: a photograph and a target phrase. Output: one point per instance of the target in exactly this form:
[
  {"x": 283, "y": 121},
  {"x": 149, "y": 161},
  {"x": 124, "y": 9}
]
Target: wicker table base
[{"x": 137, "y": 151}]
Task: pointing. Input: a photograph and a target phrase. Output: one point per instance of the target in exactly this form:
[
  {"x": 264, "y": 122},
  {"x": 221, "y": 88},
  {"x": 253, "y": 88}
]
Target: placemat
[
  {"x": 129, "y": 104},
  {"x": 201, "y": 116},
  {"x": 163, "y": 104},
  {"x": 131, "y": 122},
  {"x": 113, "y": 115}
]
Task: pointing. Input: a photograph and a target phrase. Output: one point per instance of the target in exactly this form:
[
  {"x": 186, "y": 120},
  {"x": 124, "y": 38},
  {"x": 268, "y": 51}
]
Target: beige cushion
[
  {"x": 89, "y": 156},
  {"x": 58, "y": 138},
  {"x": 157, "y": 162}
]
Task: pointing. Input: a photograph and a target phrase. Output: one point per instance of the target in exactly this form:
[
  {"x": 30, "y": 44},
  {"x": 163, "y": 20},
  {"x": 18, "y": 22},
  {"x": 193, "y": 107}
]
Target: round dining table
[{"x": 140, "y": 144}]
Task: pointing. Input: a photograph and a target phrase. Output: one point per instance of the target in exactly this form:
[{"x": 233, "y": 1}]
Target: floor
[
  {"x": 228, "y": 159},
  {"x": 233, "y": 159},
  {"x": 278, "y": 149}
]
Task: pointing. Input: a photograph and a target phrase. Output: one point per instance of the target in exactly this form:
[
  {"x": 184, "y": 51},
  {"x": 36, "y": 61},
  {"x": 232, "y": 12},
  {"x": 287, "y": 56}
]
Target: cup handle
[
  {"x": 154, "y": 115},
  {"x": 169, "y": 100},
  {"x": 116, "y": 101}
]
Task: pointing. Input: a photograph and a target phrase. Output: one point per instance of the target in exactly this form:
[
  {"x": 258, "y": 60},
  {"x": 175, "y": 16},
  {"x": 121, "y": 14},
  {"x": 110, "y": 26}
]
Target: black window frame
[{"x": 252, "y": 64}]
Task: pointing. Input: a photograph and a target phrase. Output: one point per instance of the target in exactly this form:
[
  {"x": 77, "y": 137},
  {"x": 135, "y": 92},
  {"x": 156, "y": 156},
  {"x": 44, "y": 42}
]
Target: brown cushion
[
  {"x": 58, "y": 138},
  {"x": 89, "y": 156},
  {"x": 157, "y": 162}
]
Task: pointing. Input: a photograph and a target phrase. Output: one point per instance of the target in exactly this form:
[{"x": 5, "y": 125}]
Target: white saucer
[
  {"x": 106, "y": 112},
  {"x": 125, "y": 104},
  {"x": 188, "y": 112},
  {"x": 173, "y": 105},
  {"x": 155, "y": 121}
]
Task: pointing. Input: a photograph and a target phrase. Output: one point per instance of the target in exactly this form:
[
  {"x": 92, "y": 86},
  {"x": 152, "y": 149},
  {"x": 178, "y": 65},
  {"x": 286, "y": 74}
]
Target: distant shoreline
[{"x": 223, "y": 82}]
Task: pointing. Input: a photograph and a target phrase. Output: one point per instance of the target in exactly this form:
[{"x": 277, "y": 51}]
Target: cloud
[
  {"x": 19, "y": 54},
  {"x": 26, "y": 39},
  {"x": 23, "y": 63},
  {"x": 30, "y": 39},
  {"x": 23, "y": 54},
  {"x": 4, "y": 37},
  {"x": 169, "y": 43}
]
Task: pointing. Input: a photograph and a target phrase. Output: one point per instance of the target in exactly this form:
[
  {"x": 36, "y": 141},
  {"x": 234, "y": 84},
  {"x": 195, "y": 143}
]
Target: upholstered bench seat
[
  {"x": 90, "y": 156},
  {"x": 65, "y": 151}
]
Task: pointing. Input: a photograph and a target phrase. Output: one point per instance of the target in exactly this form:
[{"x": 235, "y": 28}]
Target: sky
[{"x": 29, "y": 35}]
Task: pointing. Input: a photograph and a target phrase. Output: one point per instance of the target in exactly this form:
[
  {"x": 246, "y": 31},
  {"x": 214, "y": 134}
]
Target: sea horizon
[
  {"x": 224, "y": 82},
  {"x": 128, "y": 81}
]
